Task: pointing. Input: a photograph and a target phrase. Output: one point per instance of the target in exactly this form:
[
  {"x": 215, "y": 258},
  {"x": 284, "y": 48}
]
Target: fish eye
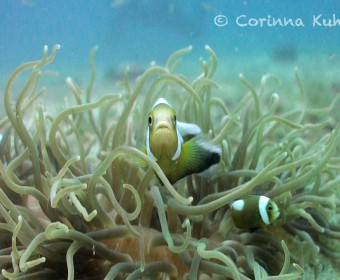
[
  {"x": 270, "y": 208},
  {"x": 150, "y": 120}
]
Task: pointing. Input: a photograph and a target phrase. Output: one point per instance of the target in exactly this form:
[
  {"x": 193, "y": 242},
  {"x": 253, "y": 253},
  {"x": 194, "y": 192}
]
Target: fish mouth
[{"x": 162, "y": 125}]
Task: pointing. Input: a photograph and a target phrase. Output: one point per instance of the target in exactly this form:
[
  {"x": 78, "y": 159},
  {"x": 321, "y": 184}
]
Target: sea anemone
[{"x": 75, "y": 202}]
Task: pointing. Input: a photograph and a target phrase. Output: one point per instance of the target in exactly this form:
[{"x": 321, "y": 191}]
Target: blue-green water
[{"x": 145, "y": 30}]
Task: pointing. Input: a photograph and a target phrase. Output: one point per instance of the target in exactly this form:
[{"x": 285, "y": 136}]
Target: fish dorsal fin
[{"x": 188, "y": 129}]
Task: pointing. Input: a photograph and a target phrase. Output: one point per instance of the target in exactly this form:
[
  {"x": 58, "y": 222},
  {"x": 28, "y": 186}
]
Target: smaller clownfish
[{"x": 254, "y": 211}]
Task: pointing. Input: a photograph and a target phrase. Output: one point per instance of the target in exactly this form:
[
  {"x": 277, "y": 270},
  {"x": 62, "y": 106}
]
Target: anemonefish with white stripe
[
  {"x": 254, "y": 211},
  {"x": 165, "y": 144}
]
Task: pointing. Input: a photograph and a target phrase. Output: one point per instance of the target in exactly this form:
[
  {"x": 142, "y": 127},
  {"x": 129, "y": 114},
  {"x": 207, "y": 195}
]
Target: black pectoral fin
[{"x": 197, "y": 156}]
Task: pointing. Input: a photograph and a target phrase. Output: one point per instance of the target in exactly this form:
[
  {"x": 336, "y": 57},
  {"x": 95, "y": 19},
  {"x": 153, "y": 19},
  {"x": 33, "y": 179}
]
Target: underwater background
[
  {"x": 289, "y": 55},
  {"x": 138, "y": 32}
]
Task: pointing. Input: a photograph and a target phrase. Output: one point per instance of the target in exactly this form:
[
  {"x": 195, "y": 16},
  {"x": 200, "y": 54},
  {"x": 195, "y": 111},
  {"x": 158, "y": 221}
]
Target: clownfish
[
  {"x": 165, "y": 144},
  {"x": 254, "y": 211}
]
